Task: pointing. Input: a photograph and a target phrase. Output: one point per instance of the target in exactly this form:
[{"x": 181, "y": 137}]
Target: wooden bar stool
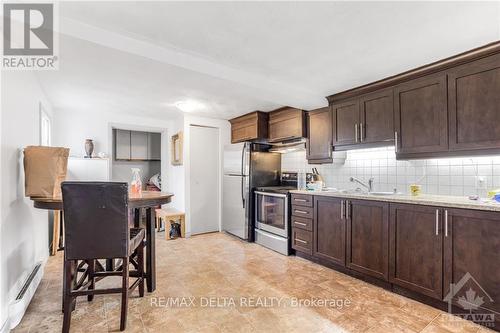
[
  {"x": 97, "y": 228},
  {"x": 171, "y": 215}
]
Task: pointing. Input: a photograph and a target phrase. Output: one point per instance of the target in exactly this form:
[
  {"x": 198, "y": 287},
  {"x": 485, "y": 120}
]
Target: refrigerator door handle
[
  {"x": 242, "y": 175},
  {"x": 242, "y": 195}
]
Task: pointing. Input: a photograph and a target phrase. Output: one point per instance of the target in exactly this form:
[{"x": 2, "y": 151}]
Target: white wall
[
  {"x": 72, "y": 128},
  {"x": 225, "y": 138},
  {"x": 446, "y": 176},
  {"x": 24, "y": 229}
]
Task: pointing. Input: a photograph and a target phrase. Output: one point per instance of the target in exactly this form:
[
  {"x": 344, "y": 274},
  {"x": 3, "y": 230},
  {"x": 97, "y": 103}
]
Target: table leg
[
  {"x": 55, "y": 233},
  {"x": 150, "y": 250},
  {"x": 61, "y": 232},
  {"x": 137, "y": 217}
]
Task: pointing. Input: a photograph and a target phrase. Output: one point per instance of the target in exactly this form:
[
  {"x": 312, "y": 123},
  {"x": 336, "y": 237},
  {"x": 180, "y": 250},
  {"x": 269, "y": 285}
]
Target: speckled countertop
[{"x": 424, "y": 199}]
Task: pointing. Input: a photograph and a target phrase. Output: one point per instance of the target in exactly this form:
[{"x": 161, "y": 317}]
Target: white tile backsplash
[{"x": 449, "y": 176}]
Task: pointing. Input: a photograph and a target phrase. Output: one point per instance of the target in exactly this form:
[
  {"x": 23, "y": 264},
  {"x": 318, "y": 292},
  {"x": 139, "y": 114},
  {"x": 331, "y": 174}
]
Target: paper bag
[{"x": 44, "y": 170}]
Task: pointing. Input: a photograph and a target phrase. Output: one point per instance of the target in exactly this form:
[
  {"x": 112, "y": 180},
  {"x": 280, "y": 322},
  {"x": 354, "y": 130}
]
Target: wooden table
[{"x": 147, "y": 200}]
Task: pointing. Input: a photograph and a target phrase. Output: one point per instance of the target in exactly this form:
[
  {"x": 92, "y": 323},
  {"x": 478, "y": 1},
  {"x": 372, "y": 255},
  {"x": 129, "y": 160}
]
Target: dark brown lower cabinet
[
  {"x": 442, "y": 253},
  {"x": 416, "y": 249},
  {"x": 302, "y": 240},
  {"x": 329, "y": 229},
  {"x": 472, "y": 257},
  {"x": 368, "y": 238}
]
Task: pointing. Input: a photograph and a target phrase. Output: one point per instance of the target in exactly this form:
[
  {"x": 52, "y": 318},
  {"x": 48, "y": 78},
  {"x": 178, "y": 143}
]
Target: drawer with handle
[
  {"x": 302, "y": 211},
  {"x": 302, "y": 200},
  {"x": 302, "y": 240},
  {"x": 302, "y": 223}
]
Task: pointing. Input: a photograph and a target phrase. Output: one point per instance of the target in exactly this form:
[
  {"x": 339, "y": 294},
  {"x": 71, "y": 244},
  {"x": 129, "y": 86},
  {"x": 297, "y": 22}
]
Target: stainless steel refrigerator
[{"x": 246, "y": 166}]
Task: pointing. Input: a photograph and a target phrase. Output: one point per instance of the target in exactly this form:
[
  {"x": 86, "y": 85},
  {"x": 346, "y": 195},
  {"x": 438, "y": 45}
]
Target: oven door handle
[{"x": 278, "y": 195}]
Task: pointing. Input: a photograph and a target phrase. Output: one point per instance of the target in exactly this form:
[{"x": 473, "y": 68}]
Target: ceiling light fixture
[{"x": 189, "y": 106}]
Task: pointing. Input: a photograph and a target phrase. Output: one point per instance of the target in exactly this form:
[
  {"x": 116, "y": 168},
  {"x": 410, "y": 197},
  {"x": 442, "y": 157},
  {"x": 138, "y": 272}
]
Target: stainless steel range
[{"x": 272, "y": 206}]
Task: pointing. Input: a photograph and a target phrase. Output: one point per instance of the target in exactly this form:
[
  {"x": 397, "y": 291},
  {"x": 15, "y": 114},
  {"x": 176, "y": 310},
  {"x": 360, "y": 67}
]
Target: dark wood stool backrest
[{"x": 96, "y": 220}]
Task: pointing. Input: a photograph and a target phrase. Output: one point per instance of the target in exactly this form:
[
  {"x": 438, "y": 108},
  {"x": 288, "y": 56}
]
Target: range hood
[{"x": 289, "y": 146}]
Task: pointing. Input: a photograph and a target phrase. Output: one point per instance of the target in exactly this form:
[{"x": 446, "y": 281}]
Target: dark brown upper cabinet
[
  {"x": 368, "y": 238},
  {"x": 286, "y": 124},
  {"x": 416, "y": 249},
  {"x": 249, "y": 127},
  {"x": 319, "y": 140},
  {"x": 346, "y": 123},
  {"x": 367, "y": 121},
  {"x": 421, "y": 114},
  {"x": 471, "y": 246},
  {"x": 447, "y": 108},
  {"x": 377, "y": 118},
  {"x": 329, "y": 229},
  {"x": 474, "y": 105}
]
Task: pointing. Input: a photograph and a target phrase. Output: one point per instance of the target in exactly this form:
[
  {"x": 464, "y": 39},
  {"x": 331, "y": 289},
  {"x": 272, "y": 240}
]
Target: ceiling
[{"x": 235, "y": 57}]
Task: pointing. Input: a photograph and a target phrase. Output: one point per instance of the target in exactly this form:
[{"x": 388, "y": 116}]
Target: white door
[{"x": 204, "y": 179}]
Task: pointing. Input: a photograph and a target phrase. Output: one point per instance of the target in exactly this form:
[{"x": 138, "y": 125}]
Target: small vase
[{"x": 89, "y": 148}]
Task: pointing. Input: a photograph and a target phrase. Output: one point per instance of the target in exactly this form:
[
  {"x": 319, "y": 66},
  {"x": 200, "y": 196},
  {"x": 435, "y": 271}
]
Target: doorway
[{"x": 204, "y": 175}]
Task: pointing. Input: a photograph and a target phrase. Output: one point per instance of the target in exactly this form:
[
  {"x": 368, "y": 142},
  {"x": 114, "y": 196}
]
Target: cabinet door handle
[
  {"x": 347, "y": 209},
  {"x": 300, "y": 223},
  {"x": 300, "y": 211},
  {"x": 396, "y": 141},
  {"x": 356, "y": 133},
  {"x": 361, "y": 132},
  {"x": 341, "y": 209},
  {"x": 300, "y": 200},
  {"x": 300, "y": 241},
  {"x": 437, "y": 222},
  {"x": 446, "y": 223}
]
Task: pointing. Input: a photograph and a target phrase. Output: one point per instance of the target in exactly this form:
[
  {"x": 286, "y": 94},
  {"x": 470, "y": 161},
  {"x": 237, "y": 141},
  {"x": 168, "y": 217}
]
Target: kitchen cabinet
[
  {"x": 122, "y": 144},
  {"x": 286, "y": 124},
  {"x": 302, "y": 222},
  {"x": 368, "y": 237},
  {"x": 345, "y": 123},
  {"x": 366, "y": 121},
  {"x": 302, "y": 211},
  {"x": 154, "y": 146},
  {"x": 377, "y": 118},
  {"x": 302, "y": 240},
  {"x": 329, "y": 229},
  {"x": 250, "y": 127},
  {"x": 474, "y": 105},
  {"x": 472, "y": 245},
  {"x": 416, "y": 249},
  {"x": 138, "y": 145},
  {"x": 421, "y": 116},
  {"x": 319, "y": 138},
  {"x": 302, "y": 200},
  {"x": 447, "y": 108}
]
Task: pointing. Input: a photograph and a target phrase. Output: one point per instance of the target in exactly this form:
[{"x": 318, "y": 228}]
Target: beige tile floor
[{"x": 218, "y": 270}]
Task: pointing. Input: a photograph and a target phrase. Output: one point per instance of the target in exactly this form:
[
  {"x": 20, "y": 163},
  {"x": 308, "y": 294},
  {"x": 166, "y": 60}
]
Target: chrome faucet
[{"x": 368, "y": 186}]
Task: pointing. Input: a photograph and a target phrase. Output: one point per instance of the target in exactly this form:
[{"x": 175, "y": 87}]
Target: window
[{"x": 45, "y": 127}]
